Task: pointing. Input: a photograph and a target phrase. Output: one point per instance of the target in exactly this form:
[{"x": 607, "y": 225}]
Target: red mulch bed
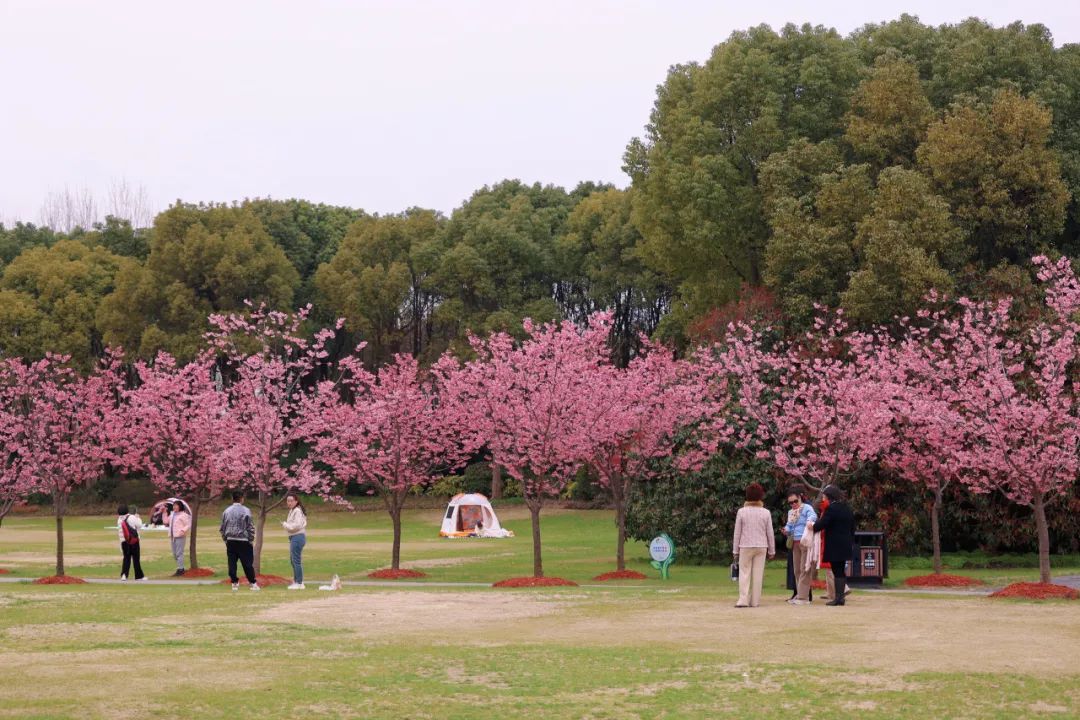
[
  {"x": 533, "y": 582},
  {"x": 942, "y": 580},
  {"x": 60, "y": 580},
  {"x": 198, "y": 573},
  {"x": 263, "y": 580},
  {"x": 819, "y": 585},
  {"x": 1038, "y": 591},
  {"x": 4, "y": 571},
  {"x": 388, "y": 574},
  {"x": 621, "y": 575}
]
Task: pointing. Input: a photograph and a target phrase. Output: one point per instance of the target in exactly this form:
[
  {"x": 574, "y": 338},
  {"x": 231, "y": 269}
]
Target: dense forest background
[{"x": 791, "y": 168}]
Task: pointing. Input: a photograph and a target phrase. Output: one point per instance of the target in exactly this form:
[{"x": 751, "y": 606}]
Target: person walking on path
[
  {"x": 838, "y": 522},
  {"x": 794, "y": 529},
  {"x": 179, "y": 525},
  {"x": 296, "y": 526},
  {"x": 238, "y": 532},
  {"x": 754, "y": 542},
  {"x": 127, "y": 527}
]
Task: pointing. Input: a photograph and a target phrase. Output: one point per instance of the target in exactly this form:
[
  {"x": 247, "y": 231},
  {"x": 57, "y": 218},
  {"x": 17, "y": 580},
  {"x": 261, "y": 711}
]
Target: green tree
[
  {"x": 494, "y": 263},
  {"x": 815, "y": 203},
  {"x": 889, "y": 113},
  {"x": 712, "y": 127},
  {"x": 907, "y": 245},
  {"x": 55, "y": 294},
  {"x": 601, "y": 268},
  {"x": 118, "y": 237},
  {"x": 991, "y": 162},
  {"x": 24, "y": 235},
  {"x": 308, "y": 233},
  {"x": 203, "y": 259},
  {"x": 378, "y": 280}
]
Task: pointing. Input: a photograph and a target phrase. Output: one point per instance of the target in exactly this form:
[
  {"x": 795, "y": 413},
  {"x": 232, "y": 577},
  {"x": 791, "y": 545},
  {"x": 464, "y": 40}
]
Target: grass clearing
[{"x": 642, "y": 649}]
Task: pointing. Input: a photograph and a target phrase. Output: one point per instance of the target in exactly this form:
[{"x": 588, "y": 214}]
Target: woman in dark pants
[{"x": 839, "y": 523}]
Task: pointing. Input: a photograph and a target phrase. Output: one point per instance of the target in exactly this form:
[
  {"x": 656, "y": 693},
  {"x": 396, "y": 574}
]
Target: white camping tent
[{"x": 464, "y": 512}]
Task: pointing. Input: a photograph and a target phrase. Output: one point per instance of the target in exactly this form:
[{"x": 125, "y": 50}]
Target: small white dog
[{"x": 335, "y": 584}]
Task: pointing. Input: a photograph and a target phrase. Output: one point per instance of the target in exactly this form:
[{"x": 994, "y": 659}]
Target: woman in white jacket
[
  {"x": 753, "y": 543},
  {"x": 296, "y": 526}
]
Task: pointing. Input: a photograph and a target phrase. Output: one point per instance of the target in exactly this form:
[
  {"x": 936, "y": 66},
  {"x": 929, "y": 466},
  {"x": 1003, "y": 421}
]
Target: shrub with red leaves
[
  {"x": 533, "y": 582},
  {"x": 197, "y": 573},
  {"x": 263, "y": 580},
  {"x": 1038, "y": 591},
  {"x": 388, "y": 574},
  {"x": 621, "y": 575},
  {"x": 942, "y": 580},
  {"x": 59, "y": 580}
]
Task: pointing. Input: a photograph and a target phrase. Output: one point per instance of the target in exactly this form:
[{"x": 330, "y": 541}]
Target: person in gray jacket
[{"x": 238, "y": 532}]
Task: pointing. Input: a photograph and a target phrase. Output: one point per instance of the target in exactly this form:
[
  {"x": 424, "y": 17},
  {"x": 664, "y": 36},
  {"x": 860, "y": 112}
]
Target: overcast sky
[{"x": 378, "y": 105}]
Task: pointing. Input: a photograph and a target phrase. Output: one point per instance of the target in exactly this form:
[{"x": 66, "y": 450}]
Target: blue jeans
[{"x": 296, "y": 548}]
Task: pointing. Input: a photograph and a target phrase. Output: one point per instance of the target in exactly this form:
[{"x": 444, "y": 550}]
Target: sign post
[{"x": 662, "y": 551}]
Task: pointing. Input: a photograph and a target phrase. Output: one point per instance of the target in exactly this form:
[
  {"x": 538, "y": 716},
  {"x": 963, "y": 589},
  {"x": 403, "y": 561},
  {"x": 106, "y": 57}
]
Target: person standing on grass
[
  {"x": 838, "y": 522},
  {"x": 296, "y": 526},
  {"x": 794, "y": 529},
  {"x": 754, "y": 542},
  {"x": 238, "y": 532},
  {"x": 127, "y": 527},
  {"x": 179, "y": 525}
]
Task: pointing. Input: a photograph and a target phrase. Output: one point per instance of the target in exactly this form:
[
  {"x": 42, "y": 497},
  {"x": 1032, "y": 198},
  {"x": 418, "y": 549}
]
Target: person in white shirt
[
  {"x": 127, "y": 527},
  {"x": 296, "y": 526}
]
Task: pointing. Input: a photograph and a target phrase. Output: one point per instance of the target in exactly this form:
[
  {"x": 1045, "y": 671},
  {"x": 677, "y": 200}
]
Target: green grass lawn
[{"x": 646, "y": 649}]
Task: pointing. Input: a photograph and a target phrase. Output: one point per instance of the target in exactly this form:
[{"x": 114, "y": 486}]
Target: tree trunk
[
  {"x": 1044, "y": 538},
  {"x": 618, "y": 496},
  {"x": 60, "y": 543},
  {"x": 538, "y": 563},
  {"x": 193, "y": 558},
  {"x": 496, "y": 482},
  {"x": 264, "y": 499},
  {"x": 395, "y": 553},
  {"x": 935, "y": 529},
  {"x": 5, "y": 509}
]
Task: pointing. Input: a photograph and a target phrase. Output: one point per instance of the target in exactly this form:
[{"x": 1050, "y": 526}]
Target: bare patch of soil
[
  {"x": 381, "y": 614},
  {"x": 873, "y": 632}
]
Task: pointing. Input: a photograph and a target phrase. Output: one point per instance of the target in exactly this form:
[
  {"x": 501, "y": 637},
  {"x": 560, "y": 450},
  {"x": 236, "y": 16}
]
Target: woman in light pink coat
[{"x": 754, "y": 542}]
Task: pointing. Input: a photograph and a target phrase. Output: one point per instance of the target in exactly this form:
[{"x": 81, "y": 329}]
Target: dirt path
[{"x": 882, "y": 632}]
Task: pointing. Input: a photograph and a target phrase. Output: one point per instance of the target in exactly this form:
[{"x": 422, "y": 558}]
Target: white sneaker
[
  {"x": 143, "y": 579},
  {"x": 797, "y": 601},
  {"x": 296, "y": 586},
  {"x": 235, "y": 586},
  {"x": 255, "y": 587},
  {"x": 123, "y": 578}
]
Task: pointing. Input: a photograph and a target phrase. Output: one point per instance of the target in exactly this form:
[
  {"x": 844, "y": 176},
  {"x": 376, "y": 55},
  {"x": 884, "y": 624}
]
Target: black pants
[
  {"x": 243, "y": 551},
  {"x": 131, "y": 554},
  {"x": 839, "y": 579}
]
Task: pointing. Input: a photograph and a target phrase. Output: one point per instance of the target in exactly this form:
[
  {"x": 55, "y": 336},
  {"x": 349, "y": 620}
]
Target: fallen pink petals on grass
[
  {"x": 388, "y": 574},
  {"x": 519, "y": 582}
]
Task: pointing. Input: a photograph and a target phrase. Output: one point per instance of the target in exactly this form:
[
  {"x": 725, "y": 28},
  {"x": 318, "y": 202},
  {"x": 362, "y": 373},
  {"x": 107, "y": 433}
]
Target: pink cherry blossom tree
[
  {"x": 13, "y": 485},
  {"x": 1016, "y": 396},
  {"x": 268, "y": 361},
  {"x": 387, "y": 431},
  {"x": 528, "y": 403},
  {"x": 175, "y": 428},
  {"x": 817, "y": 407},
  {"x": 636, "y": 413},
  {"x": 929, "y": 440},
  {"x": 66, "y": 425}
]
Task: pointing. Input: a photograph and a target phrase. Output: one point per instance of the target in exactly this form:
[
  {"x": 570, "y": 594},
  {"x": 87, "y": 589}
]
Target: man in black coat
[{"x": 838, "y": 522}]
